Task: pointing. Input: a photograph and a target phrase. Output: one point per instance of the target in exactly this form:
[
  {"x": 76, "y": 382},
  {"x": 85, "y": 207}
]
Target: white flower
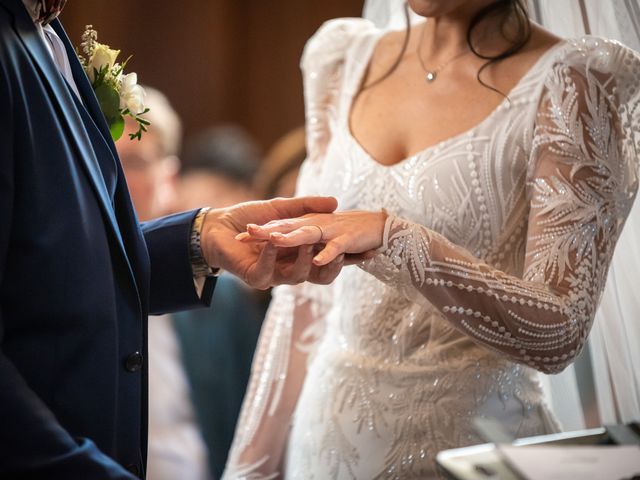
[
  {"x": 102, "y": 56},
  {"x": 132, "y": 95}
]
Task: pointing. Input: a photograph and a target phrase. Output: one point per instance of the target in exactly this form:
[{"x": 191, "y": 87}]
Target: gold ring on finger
[{"x": 321, "y": 233}]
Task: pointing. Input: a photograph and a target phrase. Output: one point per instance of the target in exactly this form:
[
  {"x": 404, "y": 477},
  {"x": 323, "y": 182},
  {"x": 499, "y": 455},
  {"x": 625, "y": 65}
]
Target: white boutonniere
[{"x": 119, "y": 95}]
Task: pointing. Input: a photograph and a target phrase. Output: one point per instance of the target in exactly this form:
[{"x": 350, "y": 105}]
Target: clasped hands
[{"x": 289, "y": 241}]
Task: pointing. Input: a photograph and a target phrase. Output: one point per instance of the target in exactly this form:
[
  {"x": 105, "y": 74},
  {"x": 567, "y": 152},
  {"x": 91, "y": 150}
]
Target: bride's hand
[{"x": 355, "y": 232}]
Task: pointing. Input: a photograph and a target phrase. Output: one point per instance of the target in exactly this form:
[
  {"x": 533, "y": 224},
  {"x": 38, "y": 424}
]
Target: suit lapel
[
  {"x": 96, "y": 124},
  {"x": 62, "y": 96},
  {"x": 85, "y": 89}
]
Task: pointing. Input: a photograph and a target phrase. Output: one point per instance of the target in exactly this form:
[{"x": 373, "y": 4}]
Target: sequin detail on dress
[{"x": 496, "y": 251}]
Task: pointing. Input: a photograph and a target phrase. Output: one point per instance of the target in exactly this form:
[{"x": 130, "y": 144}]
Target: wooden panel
[{"x": 217, "y": 60}]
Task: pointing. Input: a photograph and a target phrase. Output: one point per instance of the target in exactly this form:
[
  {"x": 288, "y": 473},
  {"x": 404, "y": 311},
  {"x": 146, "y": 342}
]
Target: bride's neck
[
  {"x": 443, "y": 36},
  {"x": 446, "y": 35}
]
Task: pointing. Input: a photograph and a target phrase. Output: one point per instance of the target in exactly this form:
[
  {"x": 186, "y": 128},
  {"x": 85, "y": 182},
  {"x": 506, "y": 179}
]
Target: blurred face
[
  {"x": 150, "y": 175},
  {"x": 199, "y": 189}
]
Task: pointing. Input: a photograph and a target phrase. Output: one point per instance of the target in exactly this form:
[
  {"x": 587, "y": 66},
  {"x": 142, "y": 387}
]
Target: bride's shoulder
[
  {"x": 590, "y": 56},
  {"x": 333, "y": 38}
]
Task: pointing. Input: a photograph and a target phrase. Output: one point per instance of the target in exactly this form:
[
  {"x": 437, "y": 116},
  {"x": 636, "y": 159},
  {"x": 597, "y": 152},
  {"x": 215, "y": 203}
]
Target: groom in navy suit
[{"x": 78, "y": 275}]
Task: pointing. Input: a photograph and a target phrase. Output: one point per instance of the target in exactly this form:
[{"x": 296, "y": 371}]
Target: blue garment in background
[{"x": 217, "y": 347}]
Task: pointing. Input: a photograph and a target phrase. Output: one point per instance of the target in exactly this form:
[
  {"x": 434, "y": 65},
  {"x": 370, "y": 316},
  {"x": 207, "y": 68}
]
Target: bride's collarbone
[
  {"x": 405, "y": 114},
  {"x": 394, "y": 123}
]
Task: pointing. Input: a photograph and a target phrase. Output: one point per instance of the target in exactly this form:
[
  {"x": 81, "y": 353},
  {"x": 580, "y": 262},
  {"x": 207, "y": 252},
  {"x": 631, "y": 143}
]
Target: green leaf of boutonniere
[
  {"x": 109, "y": 100},
  {"x": 119, "y": 95},
  {"x": 117, "y": 128}
]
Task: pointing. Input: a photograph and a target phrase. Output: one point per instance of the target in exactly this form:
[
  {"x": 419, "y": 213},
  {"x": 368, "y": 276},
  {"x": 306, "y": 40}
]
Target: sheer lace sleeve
[
  {"x": 581, "y": 184},
  {"x": 322, "y": 67},
  {"x": 292, "y": 325},
  {"x": 294, "y": 322}
]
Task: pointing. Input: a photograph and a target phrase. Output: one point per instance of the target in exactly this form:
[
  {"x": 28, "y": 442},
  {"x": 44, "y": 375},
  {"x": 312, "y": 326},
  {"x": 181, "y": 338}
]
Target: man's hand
[{"x": 261, "y": 264}]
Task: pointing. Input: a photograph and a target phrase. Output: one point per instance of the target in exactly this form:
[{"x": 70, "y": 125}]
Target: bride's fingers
[
  {"x": 244, "y": 237},
  {"x": 326, "y": 274},
  {"x": 307, "y": 235},
  {"x": 279, "y": 222},
  {"x": 329, "y": 252},
  {"x": 281, "y": 226},
  {"x": 256, "y": 232}
]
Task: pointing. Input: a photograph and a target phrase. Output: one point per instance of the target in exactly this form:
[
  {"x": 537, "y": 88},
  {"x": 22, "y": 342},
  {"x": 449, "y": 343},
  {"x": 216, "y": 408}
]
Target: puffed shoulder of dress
[
  {"x": 322, "y": 65},
  {"x": 591, "y": 55},
  {"x": 328, "y": 45}
]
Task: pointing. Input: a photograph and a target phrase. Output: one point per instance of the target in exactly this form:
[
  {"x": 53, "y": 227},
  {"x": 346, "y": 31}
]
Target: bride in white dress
[{"x": 493, "y": 219}]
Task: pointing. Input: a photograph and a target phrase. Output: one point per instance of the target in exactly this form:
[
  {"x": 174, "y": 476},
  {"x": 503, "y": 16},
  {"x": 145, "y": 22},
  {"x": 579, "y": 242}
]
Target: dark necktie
[{"x": 49, "y": 9}]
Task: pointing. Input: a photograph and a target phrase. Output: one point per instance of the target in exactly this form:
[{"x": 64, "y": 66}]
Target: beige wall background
[{"x": 217, "y": 60}]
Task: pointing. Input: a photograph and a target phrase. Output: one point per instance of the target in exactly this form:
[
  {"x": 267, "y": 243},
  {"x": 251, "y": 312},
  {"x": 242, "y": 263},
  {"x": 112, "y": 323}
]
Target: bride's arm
[
  {"x": 293, "y": 324},
  {"x": 582, "y": 181}
]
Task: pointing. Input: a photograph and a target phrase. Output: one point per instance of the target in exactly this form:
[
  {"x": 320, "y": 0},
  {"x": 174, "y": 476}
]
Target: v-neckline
[{"x": 357, "y": 82}]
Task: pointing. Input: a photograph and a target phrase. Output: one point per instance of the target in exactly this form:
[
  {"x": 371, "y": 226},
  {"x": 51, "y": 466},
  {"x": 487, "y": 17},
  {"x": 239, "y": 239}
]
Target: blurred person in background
[
  {"x": 176, "y": 446},
  {"x": 151, "y": 165},
  {"x": 218, "y": 345},
  {"x": 278, "y": 173},
  {"x": 219, "y": 165}
]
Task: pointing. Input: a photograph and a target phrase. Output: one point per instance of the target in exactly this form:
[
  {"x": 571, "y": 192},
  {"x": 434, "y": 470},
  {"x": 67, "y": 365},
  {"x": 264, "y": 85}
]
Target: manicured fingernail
[
  {"x": 317, "y": 260},
  {"x": 276, "y": 235},
  {"x": 242, "y": 236}
]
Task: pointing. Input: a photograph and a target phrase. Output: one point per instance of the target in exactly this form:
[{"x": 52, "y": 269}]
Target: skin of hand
[
  {"x": 354, "y": 232},
  {"x": 263, "y": 264}
]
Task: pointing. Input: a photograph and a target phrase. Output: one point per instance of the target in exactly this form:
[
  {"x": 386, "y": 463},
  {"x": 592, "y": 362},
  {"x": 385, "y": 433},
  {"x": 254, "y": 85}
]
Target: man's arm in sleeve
[{"x": 172, "y": 280}]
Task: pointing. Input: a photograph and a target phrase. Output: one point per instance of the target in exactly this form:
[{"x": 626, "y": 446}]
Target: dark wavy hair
[{"x": 505, "y": 10}]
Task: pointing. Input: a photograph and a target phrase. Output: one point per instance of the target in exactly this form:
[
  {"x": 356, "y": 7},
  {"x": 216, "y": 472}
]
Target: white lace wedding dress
[{"x": 495, "y": 254}]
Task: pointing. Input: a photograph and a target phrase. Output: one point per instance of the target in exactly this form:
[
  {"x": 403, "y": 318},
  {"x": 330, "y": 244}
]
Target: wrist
[
  {"x": 201, "y": 261},
  {"x": 208, "y": 236},
  {"x": 380, "y": 222}
]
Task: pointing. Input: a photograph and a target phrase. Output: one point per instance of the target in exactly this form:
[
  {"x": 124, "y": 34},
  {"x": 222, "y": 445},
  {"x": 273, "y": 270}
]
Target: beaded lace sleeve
[
  {"x": 295, "y": 319},
  {"x": 581, "y": 184},
  {"x": 292, "y": 326}
]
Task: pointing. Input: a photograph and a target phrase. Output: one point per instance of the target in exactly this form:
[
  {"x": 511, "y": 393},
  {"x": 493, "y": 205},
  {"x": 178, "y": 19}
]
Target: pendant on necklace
[{"x": 431, "y": 76}]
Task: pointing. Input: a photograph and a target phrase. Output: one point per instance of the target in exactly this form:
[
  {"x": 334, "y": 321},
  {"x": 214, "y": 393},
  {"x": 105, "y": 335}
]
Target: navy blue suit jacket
[{"x": 78, "y": 275}]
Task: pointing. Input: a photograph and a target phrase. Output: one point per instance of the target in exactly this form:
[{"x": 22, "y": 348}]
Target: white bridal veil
[{"x": 603, "y": 386}]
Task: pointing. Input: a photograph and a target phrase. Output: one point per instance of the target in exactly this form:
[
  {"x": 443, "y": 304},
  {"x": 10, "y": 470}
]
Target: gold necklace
[{"x": 432, "y": 73}]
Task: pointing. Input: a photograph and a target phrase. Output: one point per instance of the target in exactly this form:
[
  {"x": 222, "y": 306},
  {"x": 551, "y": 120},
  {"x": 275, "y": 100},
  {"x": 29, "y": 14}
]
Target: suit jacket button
[
  {"x": 133, "y": 469},
  {"x": 133, "y": 362}
]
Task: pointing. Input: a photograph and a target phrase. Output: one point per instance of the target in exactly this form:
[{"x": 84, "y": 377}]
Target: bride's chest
[
  {"x": 468, "y": 188},
  {"x": 399, "y": 117}
]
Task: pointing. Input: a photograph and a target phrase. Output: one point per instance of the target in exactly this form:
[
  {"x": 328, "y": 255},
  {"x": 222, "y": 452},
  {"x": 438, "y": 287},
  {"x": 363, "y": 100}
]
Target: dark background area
[{"x": 216, "y": 60}]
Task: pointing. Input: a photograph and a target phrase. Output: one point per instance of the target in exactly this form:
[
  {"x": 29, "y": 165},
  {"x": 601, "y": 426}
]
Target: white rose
[
  {"x": 132, "y": 95},
  {"x": 103, "y": 56}
]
